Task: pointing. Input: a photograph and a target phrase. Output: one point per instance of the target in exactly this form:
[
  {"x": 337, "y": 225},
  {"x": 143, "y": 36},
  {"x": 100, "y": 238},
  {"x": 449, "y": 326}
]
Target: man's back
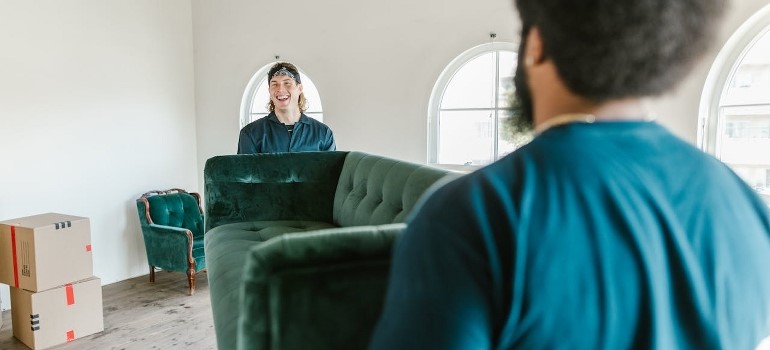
[{"x": 605, "y": 235}]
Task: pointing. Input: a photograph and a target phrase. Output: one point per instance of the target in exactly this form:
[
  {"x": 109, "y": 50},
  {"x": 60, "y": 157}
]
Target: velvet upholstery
[
  {"x": 271, "y": 186},
  {"x": 376, "y": 190},
  {"x": 173, "y": 227},
  {"x": 315, "y": 290},
  {"x": 335, "y": 212}
]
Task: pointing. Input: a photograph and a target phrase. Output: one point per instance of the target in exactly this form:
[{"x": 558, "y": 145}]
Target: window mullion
[{"x": 495, "y": 121}]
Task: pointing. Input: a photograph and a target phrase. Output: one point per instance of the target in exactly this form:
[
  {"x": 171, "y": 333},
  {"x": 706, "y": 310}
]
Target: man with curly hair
[{"x": 604, "y": 232}]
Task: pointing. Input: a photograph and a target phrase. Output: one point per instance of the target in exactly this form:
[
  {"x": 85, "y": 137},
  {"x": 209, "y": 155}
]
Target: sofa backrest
[
  {"x": 374, "y": 190},
  {"x": 271, "y": 186}
]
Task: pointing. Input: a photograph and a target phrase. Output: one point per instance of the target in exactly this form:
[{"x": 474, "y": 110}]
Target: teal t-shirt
[{"x": 609, "y": 235}]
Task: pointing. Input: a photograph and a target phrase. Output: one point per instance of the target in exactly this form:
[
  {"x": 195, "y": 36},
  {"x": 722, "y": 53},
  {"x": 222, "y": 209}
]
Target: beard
[{"x": 521, "y": 111}]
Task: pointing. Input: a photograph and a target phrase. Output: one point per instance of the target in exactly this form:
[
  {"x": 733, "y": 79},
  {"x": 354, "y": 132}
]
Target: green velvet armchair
[{"x": 172, "y": 226}]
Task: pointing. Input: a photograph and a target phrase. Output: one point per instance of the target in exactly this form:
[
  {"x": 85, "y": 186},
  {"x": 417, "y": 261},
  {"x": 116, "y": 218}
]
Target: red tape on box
[
  {"x": 70, "y": 294},
  {"x": 70, "y": 335},
  {"x": 88, "y": 247},
  {"x": 15, "y": 258}
]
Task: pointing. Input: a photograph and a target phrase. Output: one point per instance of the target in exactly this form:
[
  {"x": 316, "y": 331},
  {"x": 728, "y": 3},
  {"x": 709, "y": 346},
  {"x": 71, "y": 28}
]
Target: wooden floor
[{"x": 140, "y": 315}]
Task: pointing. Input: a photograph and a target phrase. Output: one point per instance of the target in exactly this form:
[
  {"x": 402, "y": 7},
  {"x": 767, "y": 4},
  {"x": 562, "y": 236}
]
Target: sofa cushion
[{"x": 373, "y": 190}]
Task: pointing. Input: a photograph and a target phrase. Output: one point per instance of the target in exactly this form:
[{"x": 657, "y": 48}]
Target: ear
[
  {"x": 299, "y": 86},
  {"x": 534, "y": 50}
]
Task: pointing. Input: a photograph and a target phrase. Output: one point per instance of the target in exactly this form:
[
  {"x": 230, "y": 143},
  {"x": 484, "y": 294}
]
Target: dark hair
[
  {"x": 608, "y": 49},
  {"x": 295, "y": 72},
  {"x": 284, "y": 65}
]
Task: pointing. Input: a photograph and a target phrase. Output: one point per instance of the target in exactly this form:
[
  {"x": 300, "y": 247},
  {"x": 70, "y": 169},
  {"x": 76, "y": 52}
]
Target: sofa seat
[{"x": 264, "y": 230}]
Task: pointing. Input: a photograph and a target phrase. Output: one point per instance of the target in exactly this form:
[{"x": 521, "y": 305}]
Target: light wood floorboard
[{"x": 140, "y": 315}]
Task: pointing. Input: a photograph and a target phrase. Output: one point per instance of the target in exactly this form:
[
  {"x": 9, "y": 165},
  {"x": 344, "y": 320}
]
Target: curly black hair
[{"x": 609, "y": 49}]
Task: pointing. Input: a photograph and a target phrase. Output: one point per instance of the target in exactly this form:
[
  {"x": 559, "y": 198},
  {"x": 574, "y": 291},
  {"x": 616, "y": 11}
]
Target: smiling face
[{"x": 285, "y": 92}]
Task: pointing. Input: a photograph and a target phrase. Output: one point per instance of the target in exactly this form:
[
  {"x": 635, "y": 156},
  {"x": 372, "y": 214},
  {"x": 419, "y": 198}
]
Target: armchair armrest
[
  {"x": 321, "y": 289},
  {"x": 166, "y": 245}
]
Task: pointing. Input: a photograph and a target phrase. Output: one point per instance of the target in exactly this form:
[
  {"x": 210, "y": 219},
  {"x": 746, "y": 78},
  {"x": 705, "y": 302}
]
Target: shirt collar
[{"x": 302, "y": 118}]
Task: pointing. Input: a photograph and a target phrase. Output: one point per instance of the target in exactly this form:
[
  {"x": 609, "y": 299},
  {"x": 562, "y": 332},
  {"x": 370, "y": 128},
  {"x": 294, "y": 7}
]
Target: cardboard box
[
  {"x": 44, "y": 251},
  {"x": 59, "y": 315}
]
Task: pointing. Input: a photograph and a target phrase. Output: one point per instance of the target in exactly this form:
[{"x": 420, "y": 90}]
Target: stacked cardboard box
[{"x": 47, "y": 261}]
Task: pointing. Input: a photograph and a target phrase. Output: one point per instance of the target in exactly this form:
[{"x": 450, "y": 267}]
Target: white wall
[
  {"x": 96, "y": 107},
  {"x": 375, "y": 63}
]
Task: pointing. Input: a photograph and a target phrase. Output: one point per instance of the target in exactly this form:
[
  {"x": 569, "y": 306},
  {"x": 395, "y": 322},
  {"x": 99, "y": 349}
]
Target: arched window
[
  {"x": 468, "y": 107},
  {"x": 256, "y": 97},
  {"x": 735, "y": 105}
]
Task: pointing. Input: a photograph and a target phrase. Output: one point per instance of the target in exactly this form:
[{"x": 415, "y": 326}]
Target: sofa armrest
[
  {"x": 321, "y": 289},
  {"x": 271, "y": 186}
]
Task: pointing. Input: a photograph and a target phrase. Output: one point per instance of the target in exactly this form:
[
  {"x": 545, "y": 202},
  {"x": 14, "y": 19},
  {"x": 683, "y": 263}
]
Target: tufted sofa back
[
  {"x": 271, "y": 186},
  {"x": 373, "y": 190},
  {"x": 342, "y": 188}
]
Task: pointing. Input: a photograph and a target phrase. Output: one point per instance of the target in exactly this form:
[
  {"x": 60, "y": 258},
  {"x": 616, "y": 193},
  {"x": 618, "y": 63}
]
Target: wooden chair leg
[
  {"x": 152, "y": 274},
  {"x": 191, "y": 278}
]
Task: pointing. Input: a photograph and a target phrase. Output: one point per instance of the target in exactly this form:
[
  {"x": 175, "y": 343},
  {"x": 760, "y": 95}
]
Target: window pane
[
  {"x": 751, "y": 82},
  {"x": 261, "y": 98},
  {"x": 313, "y": 99},
  {"x": 473, "y": 85},
  {"x": 465, "y": 137},
  {"x": 745, "y": 141},
  {"x": 744, "y": 133},
  {"x": 507, "y": 70},
  {"x": 256, "y": 116}
]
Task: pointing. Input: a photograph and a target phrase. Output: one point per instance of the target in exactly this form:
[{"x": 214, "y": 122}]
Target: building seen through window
[{"x": 740, "y": 122}]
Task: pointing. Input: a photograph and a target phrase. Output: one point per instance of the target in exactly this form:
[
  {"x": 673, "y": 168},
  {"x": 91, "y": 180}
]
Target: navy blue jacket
[{"x": 269, "y": 135}]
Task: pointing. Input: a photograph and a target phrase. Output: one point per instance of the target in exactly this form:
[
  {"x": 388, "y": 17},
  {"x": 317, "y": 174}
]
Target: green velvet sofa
[{"x": 298, "y": 244}]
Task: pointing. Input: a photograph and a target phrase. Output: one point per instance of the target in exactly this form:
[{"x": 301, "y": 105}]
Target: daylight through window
[
  {"x": 469, "y": 106},
  {"x": 736, "y": 128}
]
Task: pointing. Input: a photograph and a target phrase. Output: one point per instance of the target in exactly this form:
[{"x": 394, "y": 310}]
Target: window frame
[
  {"x": 440, "y": 87},
  {"x": 721, "y": 73}
]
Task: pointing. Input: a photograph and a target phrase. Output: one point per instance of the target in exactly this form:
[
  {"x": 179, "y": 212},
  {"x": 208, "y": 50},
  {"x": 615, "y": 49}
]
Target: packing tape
[
  {"x": 70, "y": 294},
  {"x": 15, "y": 257},
  {"x": 70, "y": 335}
]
